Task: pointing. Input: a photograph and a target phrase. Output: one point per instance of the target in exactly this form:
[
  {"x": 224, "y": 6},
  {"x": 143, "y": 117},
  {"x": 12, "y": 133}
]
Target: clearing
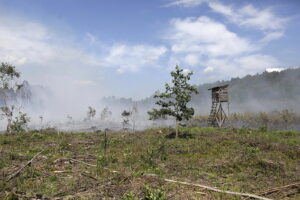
[{"x": 79, "y": 165}]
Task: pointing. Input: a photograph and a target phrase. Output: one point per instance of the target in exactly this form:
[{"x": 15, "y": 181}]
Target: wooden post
[
  {"x": 176, "y": 128},
  {"x": 105, "y": 142}
]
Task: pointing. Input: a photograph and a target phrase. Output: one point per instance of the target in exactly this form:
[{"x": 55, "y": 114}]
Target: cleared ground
[{"x": 78, "y": 166}]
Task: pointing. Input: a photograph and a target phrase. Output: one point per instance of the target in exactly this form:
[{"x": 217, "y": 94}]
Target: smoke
[
  {"x": 67, "y": 110},
  {"x": 68, "y": 72}
]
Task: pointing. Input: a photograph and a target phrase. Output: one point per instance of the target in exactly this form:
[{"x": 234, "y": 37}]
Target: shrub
[
  {"x": 154, "y": 193},
  {"x": 129, "y": 196},
  {"x": 20, "y": 123},
  {"x": 11, "y": 196},
  {"x": 101, "y": 163},
  {"x": 127, "y": 154},
  {"x": 149, "y": 158}
]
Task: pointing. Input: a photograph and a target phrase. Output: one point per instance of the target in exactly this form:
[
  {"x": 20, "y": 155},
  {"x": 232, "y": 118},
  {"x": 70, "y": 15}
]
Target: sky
[{"x": 89, "y": 49}]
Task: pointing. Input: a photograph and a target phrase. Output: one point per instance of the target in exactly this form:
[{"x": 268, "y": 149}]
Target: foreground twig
[
  {"x": 88, "y": 164},
  {"x": 217, "y": 190},
  {"x": 62, "y": 171},
  {"x": 23, "y": 167},
  {"x": 70, "y": 171},
  {"x": 190, "y": 184},
  {"x": 89, "y": 176},
  {"x": 280, "y": 188}
]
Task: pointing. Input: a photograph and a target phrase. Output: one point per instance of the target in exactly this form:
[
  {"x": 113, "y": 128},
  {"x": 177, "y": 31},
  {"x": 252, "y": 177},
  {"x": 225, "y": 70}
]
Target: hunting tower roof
[{"x": 218, "y": 87}]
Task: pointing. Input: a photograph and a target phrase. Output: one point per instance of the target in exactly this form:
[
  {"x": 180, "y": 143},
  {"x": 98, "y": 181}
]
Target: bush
[
  {"x": 11, "y": 196},
  {"x": 20, "y": 123},
  {"x": 129, "y": 196},
  {"x": 154, "y": 194},
  {"x": 64, "y": 145},
  {"x": 149, "y": 158},
  {"x": 102, "y": 162}
]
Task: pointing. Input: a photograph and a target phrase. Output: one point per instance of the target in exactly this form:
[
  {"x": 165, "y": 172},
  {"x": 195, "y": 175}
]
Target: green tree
[
  {"x": 9, "y": 87},
  {"x": 174, "y": 100},
  {"x": 20, "y": 123}
]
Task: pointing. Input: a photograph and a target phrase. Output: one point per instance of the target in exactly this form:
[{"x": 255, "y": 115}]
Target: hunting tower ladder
[{"x": 218, "y": 116}]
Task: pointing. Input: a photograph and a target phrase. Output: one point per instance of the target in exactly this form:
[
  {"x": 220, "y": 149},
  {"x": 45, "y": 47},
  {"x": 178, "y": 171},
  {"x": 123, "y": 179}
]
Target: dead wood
[
  {"x": 86, "y": 142},
  {"x": 190, "y": 184},
  {"x": 70, "y": 171},
  {"x": 23, "y": 167},
  {"x": 278, "y": 189},
  {"x": 63, "y": 171},
  {"x": 202, "y": 193},
  {"x": 217, "y": 190},
  {"x": 88, "y": 164},
  {"x": 85, "y": 163},
  {"x": 89, "y": 176}
]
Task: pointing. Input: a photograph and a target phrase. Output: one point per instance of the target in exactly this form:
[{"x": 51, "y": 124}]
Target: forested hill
[
  {"x": 262, "y": 92},
  {"x": 267, "y": 91}
]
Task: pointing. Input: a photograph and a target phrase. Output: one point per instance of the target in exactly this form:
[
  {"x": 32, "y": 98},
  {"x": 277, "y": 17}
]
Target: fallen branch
[
  {"x": 280, "y": 188},
  {"x": 86, "y": 142},
  {"x": 61, "y": 172},
  {"x": 89, "y": 176},
  {"x": 23, "y": 167},
  {"x": 88, "y": 164},
  {"x": 190, "y": 184},
  {"x": 217, "y": 190},
  {"x": 202, "y": 193},
  {"x": 70, "y": 171}
]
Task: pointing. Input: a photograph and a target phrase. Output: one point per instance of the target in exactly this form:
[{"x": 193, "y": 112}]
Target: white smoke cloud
[{"x": 73, "y": 73}]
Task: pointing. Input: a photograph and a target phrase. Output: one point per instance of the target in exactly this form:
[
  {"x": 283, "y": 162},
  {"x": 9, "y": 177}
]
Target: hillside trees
[{"x": 173, "y": 102}]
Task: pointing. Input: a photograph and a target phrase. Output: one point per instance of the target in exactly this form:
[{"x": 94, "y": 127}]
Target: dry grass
[
  {"x": 276, "y": 120},
  {"x": 240, "y": 160}
]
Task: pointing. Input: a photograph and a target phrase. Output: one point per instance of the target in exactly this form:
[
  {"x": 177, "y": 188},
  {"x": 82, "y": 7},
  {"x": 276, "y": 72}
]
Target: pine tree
[{"x": 174, "y": 100}]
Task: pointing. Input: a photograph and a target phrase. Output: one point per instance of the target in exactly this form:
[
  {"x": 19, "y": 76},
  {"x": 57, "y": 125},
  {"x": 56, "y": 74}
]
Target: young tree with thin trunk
[
  {"x": 174, "y": 100},
  {"x": 9, "y": 87},
  {"x": 134, "y": 115}
]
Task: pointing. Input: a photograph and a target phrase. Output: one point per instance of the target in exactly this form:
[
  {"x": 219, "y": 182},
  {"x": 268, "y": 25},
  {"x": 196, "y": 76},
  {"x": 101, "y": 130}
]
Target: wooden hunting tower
[{"x": 217, "y": 115}]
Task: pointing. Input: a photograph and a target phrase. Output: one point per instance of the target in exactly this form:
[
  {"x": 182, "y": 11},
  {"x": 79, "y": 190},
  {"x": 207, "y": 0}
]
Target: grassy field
[
  {"x": 275, "y": 120},
  {"x": 78, "y": 165}
]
